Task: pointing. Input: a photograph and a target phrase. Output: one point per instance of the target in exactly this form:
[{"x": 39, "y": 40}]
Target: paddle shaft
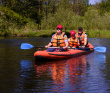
[
  {"x": 44, "y": 47},
  {"x": 67, "y": 48},
  {"x": 29, "y": 46}
]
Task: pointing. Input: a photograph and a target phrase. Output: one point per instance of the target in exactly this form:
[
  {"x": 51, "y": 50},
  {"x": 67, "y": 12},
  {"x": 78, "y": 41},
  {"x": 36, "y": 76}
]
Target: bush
[
  {"x": 60, "y": 17},
  {"x": 13, "y": 17}
]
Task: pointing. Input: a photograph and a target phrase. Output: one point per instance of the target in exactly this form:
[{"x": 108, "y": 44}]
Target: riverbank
[
  {"x": 49, "y": 33},
  {"x": 98, "y": 33},
  {"x": 90, "y": 33}
]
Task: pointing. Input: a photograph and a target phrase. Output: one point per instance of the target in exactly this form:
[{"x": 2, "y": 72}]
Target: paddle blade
[
  {"x": 26, "y": 46},
  {"x": 100, "y": 49}
]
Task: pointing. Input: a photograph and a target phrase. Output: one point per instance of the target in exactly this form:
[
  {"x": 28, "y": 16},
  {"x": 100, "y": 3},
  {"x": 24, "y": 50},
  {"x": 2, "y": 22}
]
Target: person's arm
[
  {"x": 78, "y": 42},
  {"x": 50, "y": 44},
  {"x": 85, "y": 40},
  {"x": 66, "y": 42},
  {"x": 69, "y": 40}
]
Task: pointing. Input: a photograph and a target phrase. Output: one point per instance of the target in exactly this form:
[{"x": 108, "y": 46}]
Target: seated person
[
  {"x": 73, "y": 41},
  {"x": 59, "y": 39},
  {"x": 82, "y": 37}
]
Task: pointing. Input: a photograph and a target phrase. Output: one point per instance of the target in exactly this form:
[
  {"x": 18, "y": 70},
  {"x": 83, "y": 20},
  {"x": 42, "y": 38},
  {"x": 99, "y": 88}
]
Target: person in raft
[
  {"x": 73, "y": 41},
  {"x": 59, "y": 39},
  {"x": 82, "y": 38}
]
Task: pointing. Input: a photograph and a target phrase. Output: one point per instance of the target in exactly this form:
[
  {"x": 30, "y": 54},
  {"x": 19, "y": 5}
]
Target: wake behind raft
[{"x": 64, "y": 54}]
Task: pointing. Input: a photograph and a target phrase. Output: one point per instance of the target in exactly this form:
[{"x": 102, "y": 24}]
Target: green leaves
[{"x": 11, "y": 16}]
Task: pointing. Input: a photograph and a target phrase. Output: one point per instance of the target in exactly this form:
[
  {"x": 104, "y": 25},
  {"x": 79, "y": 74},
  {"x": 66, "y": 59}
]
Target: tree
[
  {"x": 80, "y": 6},
  {"x": 104, "y": 6}
]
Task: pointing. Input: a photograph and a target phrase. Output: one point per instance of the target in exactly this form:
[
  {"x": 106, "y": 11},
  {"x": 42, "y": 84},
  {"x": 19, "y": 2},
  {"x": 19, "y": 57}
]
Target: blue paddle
[
  {"x": 29, "y": 46},
  {"x": 100, "y": 49}
]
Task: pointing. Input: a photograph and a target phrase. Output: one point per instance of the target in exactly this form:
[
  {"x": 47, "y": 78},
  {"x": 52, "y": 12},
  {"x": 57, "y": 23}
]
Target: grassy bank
[
  {"x": 90, "y": 33},
  {"x": 49, "y": 33},
  {"x": 98, "y": 33}
]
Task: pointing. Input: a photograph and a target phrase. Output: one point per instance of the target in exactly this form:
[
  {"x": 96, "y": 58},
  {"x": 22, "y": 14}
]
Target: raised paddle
[{"x": 29, "y": 46}]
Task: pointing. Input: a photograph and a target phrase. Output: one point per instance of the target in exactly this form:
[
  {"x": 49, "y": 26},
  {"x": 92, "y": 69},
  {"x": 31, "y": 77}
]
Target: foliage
[
  {"x": 59, "y": 17},
  {"x": 28, "y": 17},
  {"x": 9, "y": 20},
  {"x": 79, "y": 8},
  {"x": 98, "y": 33},
  {"x": 13, "y": 17},
  {"x": 92, "y": 18},
  {"x": 104, "y": 6}
]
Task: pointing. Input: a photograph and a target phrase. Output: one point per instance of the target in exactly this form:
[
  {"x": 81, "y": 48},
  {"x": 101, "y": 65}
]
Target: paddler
[
  {"x": 82, "y": 37},
  {"x": 59, "y": 39},
  {"x": 73, "y": 41}
]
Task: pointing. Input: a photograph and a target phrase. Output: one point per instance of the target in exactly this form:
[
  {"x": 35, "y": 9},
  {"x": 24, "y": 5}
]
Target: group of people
[{"x": 59, "y": 39}]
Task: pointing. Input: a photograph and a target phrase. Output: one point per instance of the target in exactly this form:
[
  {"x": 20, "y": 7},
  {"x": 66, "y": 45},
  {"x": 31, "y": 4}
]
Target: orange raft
[{"x": 63, "y": 55}]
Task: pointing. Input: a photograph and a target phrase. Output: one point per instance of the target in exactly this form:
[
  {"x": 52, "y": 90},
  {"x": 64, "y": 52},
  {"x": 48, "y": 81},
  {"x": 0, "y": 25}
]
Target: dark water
[{"x": 19, "y": 73}]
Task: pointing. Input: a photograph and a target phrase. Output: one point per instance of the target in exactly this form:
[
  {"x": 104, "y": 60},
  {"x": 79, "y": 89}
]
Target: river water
[{"x": 20, "y": 73}]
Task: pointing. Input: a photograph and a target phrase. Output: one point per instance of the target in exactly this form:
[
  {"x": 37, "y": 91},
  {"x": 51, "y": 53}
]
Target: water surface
[{"x": 19, "y": 73}]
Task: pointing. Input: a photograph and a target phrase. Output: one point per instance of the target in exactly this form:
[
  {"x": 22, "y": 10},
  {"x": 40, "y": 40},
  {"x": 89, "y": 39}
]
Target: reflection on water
[
  {"x": 26, "y": 65},
  {"x": 95, "y": 73},
  {"x": 84, "y": 74},
  {"x": 66, "y": 75},
  {"x": 81, "y": 74}
]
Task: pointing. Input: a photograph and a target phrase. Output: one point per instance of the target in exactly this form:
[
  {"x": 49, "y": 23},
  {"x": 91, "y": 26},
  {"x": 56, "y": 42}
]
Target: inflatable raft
[{"x": 63, "y": 55}]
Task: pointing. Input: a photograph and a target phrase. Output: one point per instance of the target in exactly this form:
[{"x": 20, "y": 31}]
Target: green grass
[
  {"x": 49, "y": 33},
  {"x": 99, "y": 33},
  {"x": 90, "y": 33}
]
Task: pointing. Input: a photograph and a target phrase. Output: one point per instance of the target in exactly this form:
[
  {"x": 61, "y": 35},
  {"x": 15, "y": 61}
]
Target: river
[{"x": 20, "y": 73}]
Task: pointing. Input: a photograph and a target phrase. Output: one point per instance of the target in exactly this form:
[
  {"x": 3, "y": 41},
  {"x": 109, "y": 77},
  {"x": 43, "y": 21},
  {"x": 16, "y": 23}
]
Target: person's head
[
  {"x": 80, "y": 30},
  {"x": 59, "y": 29},
  {"x": 72, "y": 33}
]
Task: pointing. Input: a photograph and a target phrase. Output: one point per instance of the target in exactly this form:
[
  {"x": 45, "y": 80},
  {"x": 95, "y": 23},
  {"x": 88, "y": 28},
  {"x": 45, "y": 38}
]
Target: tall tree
[
  {"x": 80, "y": 6},
  {"x": 104, "y": 6}
]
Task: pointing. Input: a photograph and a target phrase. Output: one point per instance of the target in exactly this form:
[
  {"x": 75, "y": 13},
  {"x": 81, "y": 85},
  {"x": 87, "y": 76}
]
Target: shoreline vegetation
[
  {"x": 49, "y": 33},
  {"x": 25, "y": 18}
]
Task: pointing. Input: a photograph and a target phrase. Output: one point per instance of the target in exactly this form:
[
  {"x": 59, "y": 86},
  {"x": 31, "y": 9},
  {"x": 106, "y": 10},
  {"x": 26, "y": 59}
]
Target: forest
[{"x": 40, "y": 17}]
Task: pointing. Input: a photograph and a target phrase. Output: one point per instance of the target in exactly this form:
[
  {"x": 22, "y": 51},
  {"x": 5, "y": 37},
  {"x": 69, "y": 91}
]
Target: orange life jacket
[
  {"x": 81, "y": 38},
  {"x": 58, "y": 40},
  {"x": 73, "y": 42}
]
